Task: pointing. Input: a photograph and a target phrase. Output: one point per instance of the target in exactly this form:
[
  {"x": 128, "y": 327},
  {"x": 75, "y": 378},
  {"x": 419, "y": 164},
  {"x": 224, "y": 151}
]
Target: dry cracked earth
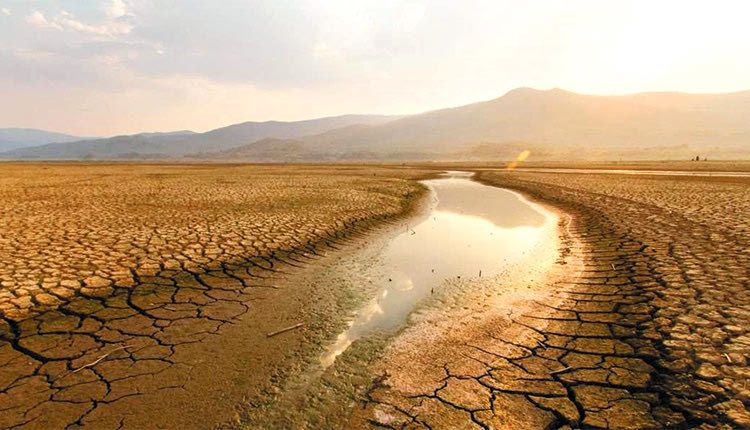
[
  {"x": 113, "y": 276},
  {"x": 649, "y": 326}
]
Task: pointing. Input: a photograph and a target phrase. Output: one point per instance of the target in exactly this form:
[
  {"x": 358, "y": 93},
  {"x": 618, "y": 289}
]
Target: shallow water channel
[{"x": 471, "y": 230}]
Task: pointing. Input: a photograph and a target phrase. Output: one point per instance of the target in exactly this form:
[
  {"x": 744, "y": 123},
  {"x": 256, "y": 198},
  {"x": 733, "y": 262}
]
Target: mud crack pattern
[
  {"x": 648, "y": 330},
  {"x": 85, "y": 338}
]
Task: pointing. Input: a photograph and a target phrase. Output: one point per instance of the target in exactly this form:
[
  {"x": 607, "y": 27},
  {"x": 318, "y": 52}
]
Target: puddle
[{"x": 472, "y": 230}]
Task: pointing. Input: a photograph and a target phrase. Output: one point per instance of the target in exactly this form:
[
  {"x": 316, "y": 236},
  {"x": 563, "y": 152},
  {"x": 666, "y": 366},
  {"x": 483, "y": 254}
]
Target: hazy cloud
[
  {"x": 116, "y": 9},
  {"x": 113, "y": 27},
  {"x": 118, "y": 21},
  {"x": 38, "y": 19},
  {"x": 302, "y": 58}
]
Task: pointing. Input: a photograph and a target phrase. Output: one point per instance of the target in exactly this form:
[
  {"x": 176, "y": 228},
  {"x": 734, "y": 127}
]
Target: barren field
[
  {"x": 662, "y": 306},
  {"x": 140, "y": 296},
  {"x": 113, "y": 276},
  {"x": 643, "y": 323},
  {"x": 89, "y": 229}
]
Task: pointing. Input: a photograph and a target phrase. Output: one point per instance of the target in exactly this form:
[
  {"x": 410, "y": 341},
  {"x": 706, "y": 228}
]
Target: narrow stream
[{"x": 472, "y": 230}]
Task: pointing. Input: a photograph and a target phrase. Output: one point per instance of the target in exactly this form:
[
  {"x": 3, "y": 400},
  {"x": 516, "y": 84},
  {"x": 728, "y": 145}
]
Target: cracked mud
[
  {"x": 118, "y": 282},
  {"x": 646, "y": 325},
  {"x": 117, "y": 321}
]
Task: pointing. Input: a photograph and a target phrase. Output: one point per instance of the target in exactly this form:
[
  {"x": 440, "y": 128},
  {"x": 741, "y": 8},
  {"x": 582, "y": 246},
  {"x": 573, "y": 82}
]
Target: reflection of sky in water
[
  {"x": 500, "y": 207},
  {"x": 473, "y": 228}
]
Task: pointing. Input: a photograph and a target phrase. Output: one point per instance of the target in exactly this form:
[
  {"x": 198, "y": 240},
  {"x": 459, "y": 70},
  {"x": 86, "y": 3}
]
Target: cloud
[
  {"x": 118, "y": 21},
  {"x": 38, "y": 19},
  {"x": 116, "y": 9},
  {"x": 269, "y": 59},
  {"x": 110, "y": 28}
]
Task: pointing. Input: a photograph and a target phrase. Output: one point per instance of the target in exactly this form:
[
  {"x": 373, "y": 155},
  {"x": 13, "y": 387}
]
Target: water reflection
[
  {"x": 498, "y": 206},
  {"x": 473, "y": 230}
]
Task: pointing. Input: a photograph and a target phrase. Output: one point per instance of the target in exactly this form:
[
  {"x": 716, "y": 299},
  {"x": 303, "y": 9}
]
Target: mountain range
[
  {"x": 181, "y": 143},
  {"x": 12, "y": 138},
  {"x": 552, "y": 124}
]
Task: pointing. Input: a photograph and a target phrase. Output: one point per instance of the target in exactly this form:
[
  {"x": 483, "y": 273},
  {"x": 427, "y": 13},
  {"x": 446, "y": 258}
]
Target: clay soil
[
  {"x": 140, "y": 296},
  {"x": 644, "y": 324}
]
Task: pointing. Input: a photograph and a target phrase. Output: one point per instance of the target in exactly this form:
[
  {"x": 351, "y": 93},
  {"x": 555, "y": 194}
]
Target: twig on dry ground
[
  {"x": 93, "y": 363},
  {"x": 274, "y": 333}
]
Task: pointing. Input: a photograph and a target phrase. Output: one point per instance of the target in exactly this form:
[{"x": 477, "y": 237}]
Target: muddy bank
[
  {"x": 633, "y": 325},
  {"x": 473, "y": 226},
  {"x": 665, "y": 280},
  {"x": 470, "y": 232},
  {"x": 455, "y": 365},
  {"x": 178, "y": 349}
]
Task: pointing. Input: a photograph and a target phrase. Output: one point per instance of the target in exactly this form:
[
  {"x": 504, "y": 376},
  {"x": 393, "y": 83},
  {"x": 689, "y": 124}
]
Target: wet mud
[
  {"x": 473, "y": 226},
  {"x": 470, "y": 231},
  {"x": 640, "y": 324},
  {"x": 653, "y": 333},
  {"x": 636, "y": 315},
  {"x": 178, "y": 349}
]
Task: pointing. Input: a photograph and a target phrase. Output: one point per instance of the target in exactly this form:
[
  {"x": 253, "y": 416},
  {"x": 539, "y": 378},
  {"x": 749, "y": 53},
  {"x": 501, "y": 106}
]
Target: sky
[{"x": 107, "y": 67}]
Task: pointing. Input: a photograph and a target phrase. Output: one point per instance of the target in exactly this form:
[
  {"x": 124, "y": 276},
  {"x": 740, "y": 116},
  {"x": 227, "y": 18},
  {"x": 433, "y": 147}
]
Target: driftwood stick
[
  {"x": 284, "y": 330},
  {"x": 93, "y": 363}
]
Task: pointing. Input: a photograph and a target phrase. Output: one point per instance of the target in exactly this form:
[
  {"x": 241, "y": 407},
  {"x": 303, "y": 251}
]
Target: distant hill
[
  {"x": 178, "y": 144},
  {"x": 553, "y": 124},
  {"x": 12, "y": 138}
]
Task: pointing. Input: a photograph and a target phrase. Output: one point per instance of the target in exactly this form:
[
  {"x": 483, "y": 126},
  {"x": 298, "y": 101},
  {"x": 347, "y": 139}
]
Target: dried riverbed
[
  {"x": 139, "y": 296},
  {"x": 631, "y": 312},
  {"x": 461, "y": 261},
  {"x": 640, "y": 323}
]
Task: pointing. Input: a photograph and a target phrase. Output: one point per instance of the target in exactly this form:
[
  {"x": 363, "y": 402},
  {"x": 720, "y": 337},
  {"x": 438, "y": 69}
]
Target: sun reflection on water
[{"x": 472, "y": 229}]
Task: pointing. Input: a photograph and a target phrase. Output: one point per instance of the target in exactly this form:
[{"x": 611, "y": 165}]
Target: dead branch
[
  {"x": 93, "y": 363},
  {"x": 283, "y": 330}
]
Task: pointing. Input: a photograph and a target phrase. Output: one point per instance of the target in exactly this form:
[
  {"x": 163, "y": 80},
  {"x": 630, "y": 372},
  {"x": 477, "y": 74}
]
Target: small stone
[
  {"x": 125, "y": 282},
  {"x": 709, "y": 387},
  {"x": 734, "y": 329},
  {"x": 16, "y": 314},
  {"x": 712, "y": 358},
  {"x": 63, "y": 292},
  {"x": 743, "y": 396},
  {"x": 718, "y": 338},
  {"x": 737, "y": 359}
]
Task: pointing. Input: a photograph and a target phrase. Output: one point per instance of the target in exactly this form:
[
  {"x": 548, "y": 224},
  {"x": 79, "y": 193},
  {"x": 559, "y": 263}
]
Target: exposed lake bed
[
  {"x": 470, "y": 231},
  {"x": 626, "y": 309},
  {"x": 472, "y": 253}
]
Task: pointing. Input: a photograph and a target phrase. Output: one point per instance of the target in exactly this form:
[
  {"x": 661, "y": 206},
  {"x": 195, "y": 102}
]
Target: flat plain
[
  {"x": 128, "y": 291},
  {"x": 114, "y": 275},
  {"x": 642, "y": 322}
]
